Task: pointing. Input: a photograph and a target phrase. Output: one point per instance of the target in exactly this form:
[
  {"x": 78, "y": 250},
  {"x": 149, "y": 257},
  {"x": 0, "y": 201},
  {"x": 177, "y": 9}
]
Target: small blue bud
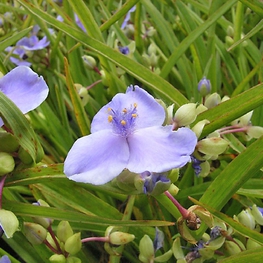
[
  {"x": 124, "y": 50},
  {"x": 204, "y": 86}
]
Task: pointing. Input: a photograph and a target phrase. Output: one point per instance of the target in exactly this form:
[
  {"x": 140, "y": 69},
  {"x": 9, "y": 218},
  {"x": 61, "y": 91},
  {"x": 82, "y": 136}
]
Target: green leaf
[
  {"x": 9, "y": 41},
  {"x": 140, "y": 72},
  {"x": 84, "y": 220},
  {"x": 81, "y": 116},
  {"x": 20, "y": 127}
]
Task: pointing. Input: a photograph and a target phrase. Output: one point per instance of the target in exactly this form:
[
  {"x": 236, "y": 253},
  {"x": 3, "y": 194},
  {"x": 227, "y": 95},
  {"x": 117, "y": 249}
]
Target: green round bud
[
  {"x": 212, "y": 146},
  {"x": 120, "y": 238},
  {"x": 64, "y": 231},
  {"x": 24, "y": 156},
  {"x": 247, "y": 219},
  {"x": 73, "y": 244},
  {"x": 8, "y": 222},
  {"x": 57, "y": 259},
  {"x": 8, "y": 142},
  {"x": 35, "y": 233},
  {"x": 257, "y": 215},
  {"x": 146, "y": 249},
  {"x": 89, "y": 62},
  {"x": 229, "y": 41},
  {"x": 230, "y": 31},
  {"x": 232, "y": 248},
  {"x": 185, "y": 115},
  {"x": 7, "y": 163},
  {"x": 212, "y": 100},
  {"x": 251, "y": 244},
  {"x": 255, "y": 131},
  {"x": 73, "y": 260}
]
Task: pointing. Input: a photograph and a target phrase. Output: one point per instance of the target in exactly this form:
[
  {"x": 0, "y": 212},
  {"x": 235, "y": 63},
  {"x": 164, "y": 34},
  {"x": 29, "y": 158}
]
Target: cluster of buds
[
  {"x": 151, "y": 58},
  {"x": 65, "y": 243}
]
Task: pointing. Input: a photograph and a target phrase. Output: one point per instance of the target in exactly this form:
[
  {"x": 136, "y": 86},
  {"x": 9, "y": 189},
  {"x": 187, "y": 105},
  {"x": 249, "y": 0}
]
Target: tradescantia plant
[{"x": 133, "y": 133}]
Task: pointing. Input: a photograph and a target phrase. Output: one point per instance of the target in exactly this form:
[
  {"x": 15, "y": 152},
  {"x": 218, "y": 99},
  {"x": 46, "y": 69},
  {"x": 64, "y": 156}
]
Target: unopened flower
[
  {"x": 155, "y": 182},
  {"x": 128, "y": 133},
  {"x": 24, "y": 87},
  {"x": 204, "y": 86}
]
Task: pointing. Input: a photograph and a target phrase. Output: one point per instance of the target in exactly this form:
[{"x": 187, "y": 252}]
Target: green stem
[{"x": 126, "y": 216}]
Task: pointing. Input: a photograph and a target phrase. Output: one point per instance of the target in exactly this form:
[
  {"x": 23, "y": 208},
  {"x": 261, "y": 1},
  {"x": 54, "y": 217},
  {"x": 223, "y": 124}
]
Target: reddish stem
[
  {"x": 2, "y": 182},
  {"x": 50, "y": 230},
  {"x": 184, "y": 212},
  {"x": 51, "y": 247},
  {"x": 94, "y": 84},
  {"x": 100, "y": 239}
]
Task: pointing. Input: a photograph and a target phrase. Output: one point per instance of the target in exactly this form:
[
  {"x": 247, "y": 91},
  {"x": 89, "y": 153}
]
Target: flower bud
[
  {"x": 177, "y": 249},
  {"x": 57, "y": 259},
  {"x": 152, "y": 49},
  {"x": 120, "y": 238},
  {"x": 251, "y": 244},
  {"x": 89, "y": 62},
  {"x": 35, "y": 233},
  {"x": 24, "y": 156},
  {"x": 198, "y": 128},
  {"x": 246, "y": 218},
  {"x": 256, "y": 213},
  {"x": 73, "y": 244},
  {"x": 205, "y": 169},
  {"x": 212, "y": 100},
  {"x": 232, "y": 248},
  {"x": 244, "y": 120},
  {"x": 7, "y": 163},
  {"x": 255, "y": 131},
  {"x": 212, "y": 146},
  {"x": 8, "y": 142},
  {"x": 204, "y": 86},
  {"x": 229, "y": 41},
  {"x": 64, "y": 231},
  {"x": 164, "y": 257},
  {"x": 146, "y": 249},
  {"x": 45, "y": 222},
  {"x": 73, "y": 260},
  {"x": 230, "y": 31},
  {"x": 8, "y": 222},
  {"x": 185, "y": 115},
  {"x": 151, "y": 31}
]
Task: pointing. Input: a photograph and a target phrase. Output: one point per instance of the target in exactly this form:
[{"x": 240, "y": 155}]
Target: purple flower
[
  {"x": 196, "y": 165},
  {"x": 5, "y": 259},
  {"x": 128, "y": 133},
  {"x": 128, "y": 17},
  {"x": 26, "y": 44},
  {"x": 124, "y": 50},
  {"x": 24, "y": 87}
]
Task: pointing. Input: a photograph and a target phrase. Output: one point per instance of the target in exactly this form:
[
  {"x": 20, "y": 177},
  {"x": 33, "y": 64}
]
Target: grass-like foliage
[{"x": 170, "y": 170}]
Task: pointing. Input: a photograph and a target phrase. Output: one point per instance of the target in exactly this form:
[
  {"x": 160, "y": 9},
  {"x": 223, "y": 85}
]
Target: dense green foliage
[{"x": 173, "y": 45}]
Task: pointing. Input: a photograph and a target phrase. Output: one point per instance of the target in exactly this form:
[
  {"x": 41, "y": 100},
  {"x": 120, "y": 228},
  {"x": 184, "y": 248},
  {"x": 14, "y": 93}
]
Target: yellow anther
[
  {"x": 135, "y": 105},
  {"x": 134, "y": 115},
  {"x": 123, "y": 122},
  {"x": 110, "y": 118},
  {"x": 124, "y": 110},
  {"x": 109, "y": 109}
]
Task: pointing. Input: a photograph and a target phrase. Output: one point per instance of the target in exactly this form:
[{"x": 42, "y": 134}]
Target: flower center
[{"x": 123, "y": 122}]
